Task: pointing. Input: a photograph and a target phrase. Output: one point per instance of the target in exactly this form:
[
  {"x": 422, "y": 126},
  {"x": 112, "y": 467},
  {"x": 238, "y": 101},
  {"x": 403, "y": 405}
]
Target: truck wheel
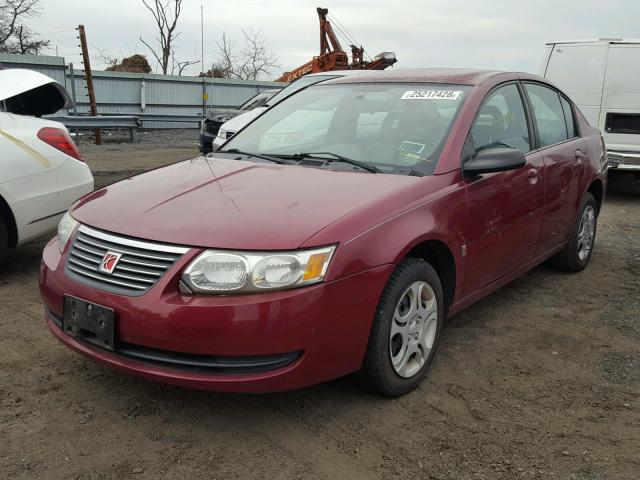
[
  {"x": 577, "y": 253},
  {"x": 406, "y": 329},
  {"x": 4, "y": 240}
]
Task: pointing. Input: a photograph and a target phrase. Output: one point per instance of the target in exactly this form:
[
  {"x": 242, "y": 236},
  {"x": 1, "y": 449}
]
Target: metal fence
[{"x": 156, "y": 99}]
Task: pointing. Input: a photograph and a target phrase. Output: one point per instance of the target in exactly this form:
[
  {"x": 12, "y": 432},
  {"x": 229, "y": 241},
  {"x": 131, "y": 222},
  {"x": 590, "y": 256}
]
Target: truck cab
[{"x": 601, "y": 78}]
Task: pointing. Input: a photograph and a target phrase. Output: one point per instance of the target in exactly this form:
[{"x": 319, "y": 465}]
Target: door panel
[
  {"x": 563, "y": 154},
  {"x": 562, "y": 178},
  {"x": 505, "y": 209},
  {"x": 505, "y": 218}
]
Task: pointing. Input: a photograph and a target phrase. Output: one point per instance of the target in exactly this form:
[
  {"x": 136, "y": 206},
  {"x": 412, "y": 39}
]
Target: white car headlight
[
  {"x": 222, "y": 133},
  {"x": 218, "y": 271},
  {"x": 65, "y": 229}
]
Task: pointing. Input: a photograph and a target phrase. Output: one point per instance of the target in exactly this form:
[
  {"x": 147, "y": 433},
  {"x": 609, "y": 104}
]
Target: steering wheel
[{"x": 498, "y": 123}]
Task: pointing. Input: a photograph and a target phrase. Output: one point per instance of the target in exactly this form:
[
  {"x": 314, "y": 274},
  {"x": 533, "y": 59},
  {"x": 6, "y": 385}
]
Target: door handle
[
  {"x": 533, "y": 175},
  {"x": 579, "y": 156}
]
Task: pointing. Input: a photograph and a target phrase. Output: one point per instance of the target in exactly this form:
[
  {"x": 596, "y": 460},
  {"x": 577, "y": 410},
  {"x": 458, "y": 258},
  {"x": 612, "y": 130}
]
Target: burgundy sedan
[{"x": 334, "y": 234}]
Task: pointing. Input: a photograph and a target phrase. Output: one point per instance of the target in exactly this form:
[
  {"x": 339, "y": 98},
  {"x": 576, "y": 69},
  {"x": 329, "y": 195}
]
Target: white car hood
[
  {"x": 236, "y": 123},
  {"x": 26, "y": 92}
]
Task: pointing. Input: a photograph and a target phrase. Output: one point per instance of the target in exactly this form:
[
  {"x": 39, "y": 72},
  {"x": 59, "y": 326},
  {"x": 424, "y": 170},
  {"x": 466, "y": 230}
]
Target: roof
[
  {"x": 340, "y": 73},
  {"x": 460, "y": 76},
  {"x": 602, "y": 41}
]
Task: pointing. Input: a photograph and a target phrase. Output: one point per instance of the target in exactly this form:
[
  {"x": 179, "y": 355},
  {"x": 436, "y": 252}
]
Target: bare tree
[
  {"x": 104, "y": 56},
  {"x": 15, "y": 36},
  {"x": 255, "y": 60},
  {"x": 177, "y": 67},
  {"x": 226, "y": 61},
  {"x": 166, "y": 17}
]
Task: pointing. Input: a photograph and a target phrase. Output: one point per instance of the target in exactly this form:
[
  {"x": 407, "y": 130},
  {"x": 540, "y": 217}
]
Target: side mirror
[{"x": 493, "y": 160}]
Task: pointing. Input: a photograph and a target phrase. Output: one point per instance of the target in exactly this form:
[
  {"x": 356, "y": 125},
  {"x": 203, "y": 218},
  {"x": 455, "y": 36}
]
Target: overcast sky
[{"x": 501, "y": 34}]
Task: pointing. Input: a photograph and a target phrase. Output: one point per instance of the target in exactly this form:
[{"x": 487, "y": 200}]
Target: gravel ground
[
  {"x": 539, "y": 380},
  {"x": 111, "y": 162}
]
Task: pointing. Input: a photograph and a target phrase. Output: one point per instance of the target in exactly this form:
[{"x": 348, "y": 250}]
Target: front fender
[{"x": 440, "y": 217}]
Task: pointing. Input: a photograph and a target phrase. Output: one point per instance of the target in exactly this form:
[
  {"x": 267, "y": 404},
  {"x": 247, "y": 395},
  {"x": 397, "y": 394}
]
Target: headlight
[
  {"x": 65, "y": 229},
  {"x": 222, "y": 133},
  {"x": 217, "y": 271}
]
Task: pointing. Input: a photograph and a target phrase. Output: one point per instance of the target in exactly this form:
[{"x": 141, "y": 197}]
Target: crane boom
[{"x": 333, "y": 57}]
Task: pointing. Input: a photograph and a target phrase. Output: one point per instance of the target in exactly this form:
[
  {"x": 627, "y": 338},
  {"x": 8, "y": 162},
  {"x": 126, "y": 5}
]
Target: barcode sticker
[{"x": 431, "y": 94}]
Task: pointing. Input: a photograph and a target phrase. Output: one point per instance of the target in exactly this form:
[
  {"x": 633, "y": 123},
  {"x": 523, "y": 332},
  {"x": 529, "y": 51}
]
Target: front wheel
[
  {"x": 406, "y": 329},
  {"x": 575, "y": 256}
]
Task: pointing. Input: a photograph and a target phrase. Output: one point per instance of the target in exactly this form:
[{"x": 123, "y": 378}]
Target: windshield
[
  {"x": 257, "y": 100},
  {"x": 298, "y": 85},
  {"x": 397, "y": 128}
]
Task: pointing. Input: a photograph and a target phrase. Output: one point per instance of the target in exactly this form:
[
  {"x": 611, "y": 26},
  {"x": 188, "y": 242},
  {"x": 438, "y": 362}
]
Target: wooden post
[{"x": 89, "y": 78}]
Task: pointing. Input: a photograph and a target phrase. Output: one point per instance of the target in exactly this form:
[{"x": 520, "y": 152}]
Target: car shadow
[
  {"x": 623, "y": 186},
  {"x": 22, "y": 261}
]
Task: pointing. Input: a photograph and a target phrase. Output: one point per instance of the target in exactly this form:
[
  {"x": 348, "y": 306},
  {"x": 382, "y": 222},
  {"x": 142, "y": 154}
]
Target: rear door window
[
  {"x": 569, "y": 117},
  {"x": 548, "y": 114}
]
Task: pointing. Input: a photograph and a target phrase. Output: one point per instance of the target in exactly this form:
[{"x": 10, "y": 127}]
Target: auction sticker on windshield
[{"x": 431, "y": 94}]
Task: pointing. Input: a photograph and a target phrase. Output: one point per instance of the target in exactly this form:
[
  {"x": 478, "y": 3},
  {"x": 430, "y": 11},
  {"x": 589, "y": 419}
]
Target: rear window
[{"x": 298, "y": 85}]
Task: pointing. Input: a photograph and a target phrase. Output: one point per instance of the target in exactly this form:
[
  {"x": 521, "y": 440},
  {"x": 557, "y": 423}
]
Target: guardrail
[
  {"x": 125, "y": 122},
  {"x": 164, "y": 118},
  {"x": 100, "y": 122}
]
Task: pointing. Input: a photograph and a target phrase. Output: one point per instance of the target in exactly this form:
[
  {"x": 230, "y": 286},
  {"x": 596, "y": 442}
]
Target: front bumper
[
  {"x": 318, "y": 332},
  {"x": 629, "y": 161}
]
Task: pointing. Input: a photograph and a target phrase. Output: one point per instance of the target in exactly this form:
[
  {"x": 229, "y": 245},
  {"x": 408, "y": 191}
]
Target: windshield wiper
[
  {"x": 340, "y": 158},
  {"x": 256, "y": 155}
]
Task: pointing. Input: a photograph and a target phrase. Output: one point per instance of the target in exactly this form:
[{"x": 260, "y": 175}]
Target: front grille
[
  {"x": 212, "y": 127},
  {"x": 139, "y": 268},
  {"x": 229, "y": 134}
]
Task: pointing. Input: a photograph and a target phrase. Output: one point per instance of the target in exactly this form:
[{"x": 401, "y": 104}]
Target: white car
[
  {"x": 41, "y": 170},
  {"x": 230, "y": 127}
]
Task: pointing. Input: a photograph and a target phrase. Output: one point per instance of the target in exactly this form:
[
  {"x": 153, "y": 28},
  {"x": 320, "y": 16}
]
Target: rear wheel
[
  {"x": 406, "y": 329},
  {"x": 4, "y": 240},
  {"x": 577, "y": 253}
]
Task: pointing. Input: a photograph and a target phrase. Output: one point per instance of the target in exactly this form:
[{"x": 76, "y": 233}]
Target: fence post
[{"x": 87, "y": 74}]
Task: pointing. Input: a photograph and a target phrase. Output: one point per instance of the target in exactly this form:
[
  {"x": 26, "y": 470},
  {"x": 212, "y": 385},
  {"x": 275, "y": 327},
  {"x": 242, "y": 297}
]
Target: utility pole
[
  {"x": 205, "y": 97},
  {"x": 89, "y": 78}
]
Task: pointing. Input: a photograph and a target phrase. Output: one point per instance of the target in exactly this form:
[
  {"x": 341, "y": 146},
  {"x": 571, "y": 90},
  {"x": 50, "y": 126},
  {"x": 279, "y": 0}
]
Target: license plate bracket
[{"x": 90, "y": 322}]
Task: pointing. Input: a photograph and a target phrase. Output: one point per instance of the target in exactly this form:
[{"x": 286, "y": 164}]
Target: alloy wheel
[
  {"x": 586, "y": 232},
  {"x": 413, "y": 329}
]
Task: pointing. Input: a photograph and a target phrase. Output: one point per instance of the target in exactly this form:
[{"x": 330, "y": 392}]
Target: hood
[
  {"x": 221, "y": 115},
  {"x": 241, "y": 121},
  {"x": 233, "y": 204},
  {"x": 26, "y": 92}
]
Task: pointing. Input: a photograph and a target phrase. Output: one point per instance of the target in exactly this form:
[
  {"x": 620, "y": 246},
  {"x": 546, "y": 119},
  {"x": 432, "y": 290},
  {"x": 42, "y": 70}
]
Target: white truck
[{"x": 603, "y": 78}]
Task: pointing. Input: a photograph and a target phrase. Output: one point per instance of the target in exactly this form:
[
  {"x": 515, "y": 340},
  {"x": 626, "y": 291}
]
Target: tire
[
  {"x": 4, "y": 240},
  {"x": 382, "y": 369},
  {"x": 576, "y": 254}
]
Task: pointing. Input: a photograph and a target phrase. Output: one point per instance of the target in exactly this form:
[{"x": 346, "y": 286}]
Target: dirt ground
[{"x": 540, "y": 380}]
